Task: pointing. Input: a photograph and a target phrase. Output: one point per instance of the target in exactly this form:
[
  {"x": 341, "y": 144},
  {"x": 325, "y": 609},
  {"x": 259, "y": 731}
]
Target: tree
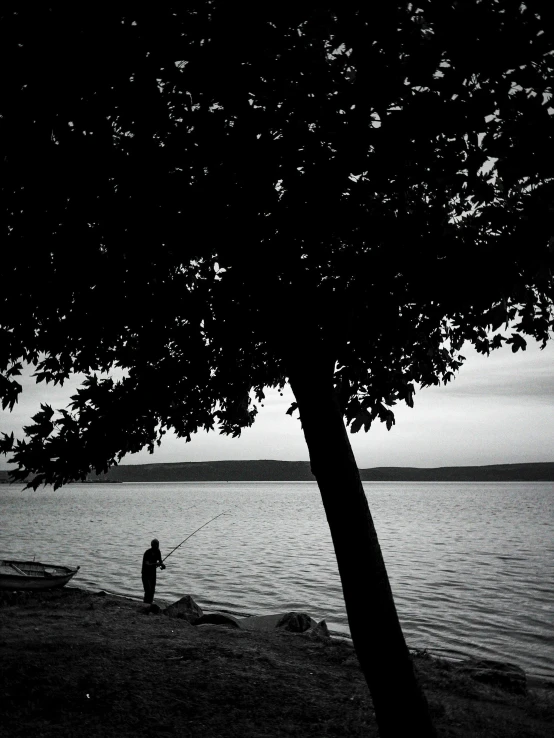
[{"x": 214, "y": 202}]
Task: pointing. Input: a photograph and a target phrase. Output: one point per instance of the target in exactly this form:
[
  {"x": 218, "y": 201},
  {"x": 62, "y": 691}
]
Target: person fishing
[
  {"x": 150, "y": 561},
  {"x": 153, "y": 558}
]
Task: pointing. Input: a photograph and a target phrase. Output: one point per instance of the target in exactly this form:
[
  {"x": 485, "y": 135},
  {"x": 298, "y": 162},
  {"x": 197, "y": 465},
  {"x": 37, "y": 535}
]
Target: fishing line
[{"x": 195, "y": 531}]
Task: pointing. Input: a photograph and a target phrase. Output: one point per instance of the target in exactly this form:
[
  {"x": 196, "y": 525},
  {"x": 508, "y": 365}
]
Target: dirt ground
[{"x": 76, "y": 663}]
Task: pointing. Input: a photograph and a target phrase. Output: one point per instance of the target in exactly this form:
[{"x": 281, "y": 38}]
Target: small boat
[{"x": 31, "y": 575}]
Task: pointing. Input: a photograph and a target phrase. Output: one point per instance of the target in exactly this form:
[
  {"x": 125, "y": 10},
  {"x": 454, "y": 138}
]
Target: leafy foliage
[{"x": 203, "y": 198}]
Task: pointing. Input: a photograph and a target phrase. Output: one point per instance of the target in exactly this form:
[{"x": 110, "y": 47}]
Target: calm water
[{"x": 471, "y": 564}]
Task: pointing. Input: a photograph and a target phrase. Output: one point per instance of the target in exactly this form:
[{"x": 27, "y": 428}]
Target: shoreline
[
  {"x": 543, "y": 681},
  {"x": 280, "y": 470},
  {"x": 78, "y": 662}
]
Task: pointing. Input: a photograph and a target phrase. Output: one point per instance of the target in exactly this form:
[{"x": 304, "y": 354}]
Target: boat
[{"x": 32, "y": 575}]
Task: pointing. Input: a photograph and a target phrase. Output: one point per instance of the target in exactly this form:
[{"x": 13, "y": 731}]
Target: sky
[{"x": 498, "y": 410}]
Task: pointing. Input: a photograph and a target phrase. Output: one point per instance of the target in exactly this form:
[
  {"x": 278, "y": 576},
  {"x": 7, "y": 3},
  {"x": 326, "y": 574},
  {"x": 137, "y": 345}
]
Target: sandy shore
[{"x": 76, "y": 663}]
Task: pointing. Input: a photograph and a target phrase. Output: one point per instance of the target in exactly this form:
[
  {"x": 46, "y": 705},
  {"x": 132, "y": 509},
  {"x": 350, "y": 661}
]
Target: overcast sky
[{"x": 499, "y": 410}]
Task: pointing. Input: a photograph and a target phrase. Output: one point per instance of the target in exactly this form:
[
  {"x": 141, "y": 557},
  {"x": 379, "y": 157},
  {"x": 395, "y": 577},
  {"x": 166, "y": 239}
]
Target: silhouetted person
[{"x": 150, "y": 561}]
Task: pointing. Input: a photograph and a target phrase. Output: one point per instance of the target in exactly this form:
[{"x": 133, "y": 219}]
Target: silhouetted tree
[{"x": 216, "y": 202}]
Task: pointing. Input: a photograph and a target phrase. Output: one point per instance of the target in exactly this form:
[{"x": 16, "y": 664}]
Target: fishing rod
[{"x": 190, "y": 536}]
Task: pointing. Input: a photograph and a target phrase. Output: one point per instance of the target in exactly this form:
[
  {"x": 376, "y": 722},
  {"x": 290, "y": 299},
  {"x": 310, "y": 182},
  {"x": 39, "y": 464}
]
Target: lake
[{"x": 471, "y": 564}]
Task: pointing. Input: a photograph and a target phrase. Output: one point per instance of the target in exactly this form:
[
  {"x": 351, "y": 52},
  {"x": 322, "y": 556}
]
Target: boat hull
[{"x": 32, "y": 575}]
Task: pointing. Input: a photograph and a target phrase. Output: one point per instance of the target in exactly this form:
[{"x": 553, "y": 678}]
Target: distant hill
[
  {"x": 299, "y": 471},
  {"x": 215, "y": 471},
  {"x": 540, "y": 472}
]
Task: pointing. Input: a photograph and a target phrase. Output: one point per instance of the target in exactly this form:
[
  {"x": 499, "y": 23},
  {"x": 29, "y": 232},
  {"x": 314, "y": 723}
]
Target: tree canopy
[{"x": 202, "y": 195}]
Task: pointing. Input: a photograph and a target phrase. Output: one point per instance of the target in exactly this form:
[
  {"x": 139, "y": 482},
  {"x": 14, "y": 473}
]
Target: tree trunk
[{"x": 400, "y": 705}]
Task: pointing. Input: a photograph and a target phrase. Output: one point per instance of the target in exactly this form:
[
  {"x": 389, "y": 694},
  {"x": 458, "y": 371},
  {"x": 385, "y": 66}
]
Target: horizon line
[{"x": 306, "y": 461}]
